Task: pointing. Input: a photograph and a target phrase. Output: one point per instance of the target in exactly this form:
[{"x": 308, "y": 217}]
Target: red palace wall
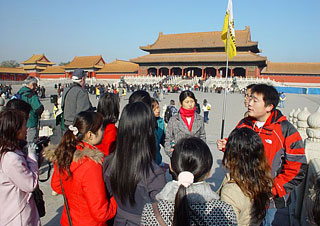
[{"x": 295, "y": 79}]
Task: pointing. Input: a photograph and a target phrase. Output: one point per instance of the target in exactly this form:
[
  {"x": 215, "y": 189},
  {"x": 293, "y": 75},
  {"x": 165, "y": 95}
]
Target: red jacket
[
  {"x": 108, "y": 140},
  {"x": 85, "y": 191},
  {"x": 284, "y": 149}
]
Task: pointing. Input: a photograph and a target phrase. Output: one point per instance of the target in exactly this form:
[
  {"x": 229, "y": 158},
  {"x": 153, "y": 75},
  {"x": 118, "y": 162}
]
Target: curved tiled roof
[
  {"x": 16, "y": 70},
  {"x": 38, "y": 59},
  {"x": 198, "y": 57},
  {"x": 119, "y": 66},
  {"x": 198, "y": 40},
  {"x": 53, "y": 70},
  {"x": 291, "y": 68},
  {"x": 86, "y": 62}
]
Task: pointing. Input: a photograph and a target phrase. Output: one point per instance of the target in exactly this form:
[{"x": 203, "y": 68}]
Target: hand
[
  {"x": 221, "y": 144},
  {"x": 32, "y": 149},
  {"x": 172, "y": 149}
]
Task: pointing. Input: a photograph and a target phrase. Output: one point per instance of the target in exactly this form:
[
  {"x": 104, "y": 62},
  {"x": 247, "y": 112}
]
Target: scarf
[{"x": 187, "y": 113}]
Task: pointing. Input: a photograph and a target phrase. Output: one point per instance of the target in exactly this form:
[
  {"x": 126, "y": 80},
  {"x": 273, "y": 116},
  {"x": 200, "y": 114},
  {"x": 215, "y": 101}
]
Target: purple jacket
[{"x": 18, "y": 179}]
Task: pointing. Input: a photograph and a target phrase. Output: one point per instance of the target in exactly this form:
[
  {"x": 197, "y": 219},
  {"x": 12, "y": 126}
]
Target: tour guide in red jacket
[{"x": 283, "y": 145}]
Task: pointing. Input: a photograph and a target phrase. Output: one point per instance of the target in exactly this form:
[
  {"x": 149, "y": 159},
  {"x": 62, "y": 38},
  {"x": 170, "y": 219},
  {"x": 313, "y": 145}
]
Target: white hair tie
[
  {"x": 185, "y": 178},
  {"x": 74, "y": 130}
]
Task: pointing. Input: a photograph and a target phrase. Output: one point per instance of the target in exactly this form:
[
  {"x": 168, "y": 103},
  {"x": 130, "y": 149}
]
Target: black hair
[
  {"x": 187, "y": 93},
  {"x": 172, "y": 102},
  {"x": 250, "y": 86},
  {"x": 140, "y": 95},
  {"x": 269, "y": 93},
  {"x": 154, "y": 102},
  {"x": 11, "y": 122},
  {"x": 135, "y": 151},
  {"x": 190, "y": 154},
  {"x": 109, "y": 108},
  {"x": 85, "y": 121},
  {"x": 19, "y": 105}
]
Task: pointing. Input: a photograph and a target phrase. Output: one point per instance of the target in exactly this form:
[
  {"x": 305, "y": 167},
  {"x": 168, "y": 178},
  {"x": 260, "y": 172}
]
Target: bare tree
[
  {"x": 64, "y": 63},
  {"x": 9, "y": 63}
]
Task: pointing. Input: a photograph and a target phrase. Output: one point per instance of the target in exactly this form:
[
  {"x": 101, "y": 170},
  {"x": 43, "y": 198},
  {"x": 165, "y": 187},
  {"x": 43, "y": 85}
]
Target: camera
[{"x": 42, "y": 142}]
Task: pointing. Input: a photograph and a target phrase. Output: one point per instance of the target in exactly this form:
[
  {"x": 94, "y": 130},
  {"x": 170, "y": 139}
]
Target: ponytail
[
  {"x": 181, "y": 208},
  {"x": 65, "y": 151},
  {"x": 85, "y": 121}
]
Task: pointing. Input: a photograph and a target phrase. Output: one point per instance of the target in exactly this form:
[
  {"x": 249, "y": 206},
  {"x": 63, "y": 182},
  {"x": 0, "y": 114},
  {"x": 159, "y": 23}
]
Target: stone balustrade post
[
  {"x": 302, "y": 124},
  {"x": 295, "y": 117},
  {"x": 291, "y": 116}
]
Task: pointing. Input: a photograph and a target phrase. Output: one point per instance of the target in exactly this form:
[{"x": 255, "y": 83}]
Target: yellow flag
[{"x": 228, "y": 23}]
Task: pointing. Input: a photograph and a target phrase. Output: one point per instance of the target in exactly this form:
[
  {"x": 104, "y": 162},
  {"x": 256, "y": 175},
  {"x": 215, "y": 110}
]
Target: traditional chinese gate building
[
  {"x": 90, "y": 64},
  {"x": 200, "y": 54}
]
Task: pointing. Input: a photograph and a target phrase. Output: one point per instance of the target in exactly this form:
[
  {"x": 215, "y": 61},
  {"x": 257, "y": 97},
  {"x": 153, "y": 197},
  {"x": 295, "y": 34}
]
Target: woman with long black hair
[
  {"x": 130, "y": 172},
  {"x": 189, "y": 199}
]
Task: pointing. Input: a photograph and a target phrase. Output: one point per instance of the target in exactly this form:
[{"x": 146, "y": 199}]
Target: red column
[
  {"x": 157, "y": 71},
  {"x": 182, "y": 74},
  {"x": 202, "y": 72},
  {"x": 139, "y": 71},
  {"x": 217, "y": 73},
  {"x": 231, "y": 72},
  {"x": 247, "y": 72},
  {"x": 169, "y": 71},
  {"x": 257, "y": 72}
]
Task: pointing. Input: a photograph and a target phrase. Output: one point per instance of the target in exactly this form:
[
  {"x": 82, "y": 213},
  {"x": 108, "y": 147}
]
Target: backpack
[
  {"x": 170, "y": 111},
  {"x": 18, "y": 95},
  {"x": 167, "y": 114}
]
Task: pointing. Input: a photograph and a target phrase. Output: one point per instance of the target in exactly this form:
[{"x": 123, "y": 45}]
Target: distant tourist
[
  {"x": 282, "y": 98},
  {"x": 206, "y": 108},
  {"x": 170, "y": 111},
  {"x": 29, "y": 95}
]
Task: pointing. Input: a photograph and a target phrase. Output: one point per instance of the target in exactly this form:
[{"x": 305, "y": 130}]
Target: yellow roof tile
[
  {"x": 17, "y": 70},
  {"x": 40, "y": 59},
  {"x": 199, "y": 40},
  {"x": 119, "y": 66},
  {"x": 53, "y": 70},
  {"x": 86, "y": 62},
  {"x": 291, "y": 68}
]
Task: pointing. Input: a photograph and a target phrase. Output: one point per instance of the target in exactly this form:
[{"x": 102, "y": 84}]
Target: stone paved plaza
[{"x": 234, "y": 112}]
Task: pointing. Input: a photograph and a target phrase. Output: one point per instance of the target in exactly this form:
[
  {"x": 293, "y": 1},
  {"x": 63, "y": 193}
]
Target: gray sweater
[
  {"x": 76, "y": 101},
  {"x": 177, "y": 129}
]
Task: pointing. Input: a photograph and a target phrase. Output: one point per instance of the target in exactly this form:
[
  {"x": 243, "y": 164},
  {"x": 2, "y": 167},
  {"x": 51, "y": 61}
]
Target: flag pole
[{"x": 226, "y": 82}]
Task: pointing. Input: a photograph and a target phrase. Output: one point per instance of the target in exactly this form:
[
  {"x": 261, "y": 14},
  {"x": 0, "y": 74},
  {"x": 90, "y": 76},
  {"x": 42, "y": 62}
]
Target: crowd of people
[{"x": 109, "y": 169}]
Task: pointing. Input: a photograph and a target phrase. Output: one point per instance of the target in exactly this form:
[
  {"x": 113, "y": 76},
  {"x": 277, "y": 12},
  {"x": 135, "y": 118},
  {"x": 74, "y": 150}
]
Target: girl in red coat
[
  {"x": 109, "y": 107},
  {"x": 78, "y": 163}
]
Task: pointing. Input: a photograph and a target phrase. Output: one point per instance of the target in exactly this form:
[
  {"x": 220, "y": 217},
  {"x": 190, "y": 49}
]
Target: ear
[
  {"x": 89, "y": 136},
  {"x": 269, "y": 107}
]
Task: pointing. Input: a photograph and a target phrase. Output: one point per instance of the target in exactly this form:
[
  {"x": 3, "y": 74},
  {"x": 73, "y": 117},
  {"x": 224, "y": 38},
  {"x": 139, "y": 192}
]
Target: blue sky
[{"x": 286, "y": 31}]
